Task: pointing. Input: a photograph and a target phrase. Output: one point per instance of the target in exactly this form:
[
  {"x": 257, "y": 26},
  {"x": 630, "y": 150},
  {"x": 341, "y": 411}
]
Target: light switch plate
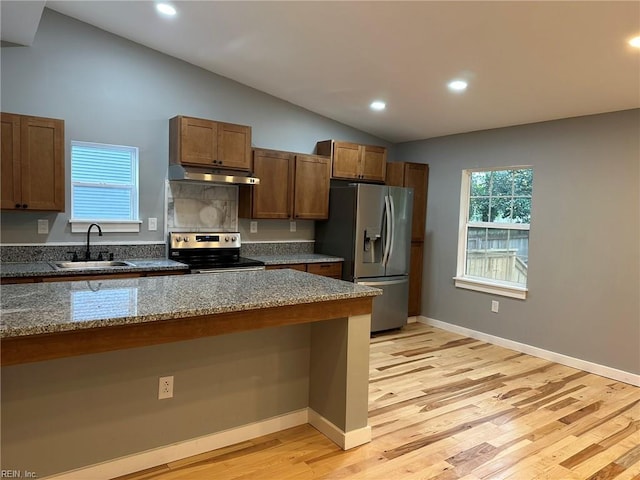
[
  {"x": 253, "y": 227},
  {"x": 153, "y": 224},
  {"x": 43, "y": 226}
]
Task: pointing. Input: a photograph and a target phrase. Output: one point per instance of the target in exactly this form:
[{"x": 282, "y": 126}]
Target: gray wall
[
  {"x": 73, "y": 412},
  {"x": 111, "y": 90},
  {"x": 584, "y": 287}
]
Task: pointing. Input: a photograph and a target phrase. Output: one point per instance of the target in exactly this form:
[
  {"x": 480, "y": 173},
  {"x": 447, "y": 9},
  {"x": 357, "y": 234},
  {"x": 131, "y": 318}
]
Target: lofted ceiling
[{"x": 525, "y": 61}]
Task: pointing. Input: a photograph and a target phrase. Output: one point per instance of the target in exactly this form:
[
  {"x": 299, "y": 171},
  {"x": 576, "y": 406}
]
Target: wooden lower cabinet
[
  {"x": 415, "y": 278},
  {"x": 333, "y": 269},
  {"x": 325, "y": 269},
  {"x": 293, "y": 266}
]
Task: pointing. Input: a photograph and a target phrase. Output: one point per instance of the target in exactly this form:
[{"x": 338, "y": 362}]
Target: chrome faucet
[{"x": 87, "y": 255}]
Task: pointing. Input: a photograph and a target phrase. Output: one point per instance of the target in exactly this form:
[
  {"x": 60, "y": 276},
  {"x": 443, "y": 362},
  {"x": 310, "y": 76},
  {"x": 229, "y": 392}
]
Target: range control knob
[
  {"x": 186, "y": 239},
  {"x": 226, "y": 239},
  {"x": 233, "y": 239}
]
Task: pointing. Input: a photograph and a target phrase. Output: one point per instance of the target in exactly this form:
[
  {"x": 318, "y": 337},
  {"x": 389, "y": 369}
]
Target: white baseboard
[
  {"x": 603, "y": 370},
  {"x": 177, "y": 451},
  {"x": 345, "y": 440},
  {"x": 158, "y": 456},
  {"x": 412, "y": 320}
]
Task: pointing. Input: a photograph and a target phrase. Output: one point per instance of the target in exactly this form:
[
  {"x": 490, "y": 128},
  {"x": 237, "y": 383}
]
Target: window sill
[
  {"x": 502, "y": 289},
  {"x": 107, "y": 226}
]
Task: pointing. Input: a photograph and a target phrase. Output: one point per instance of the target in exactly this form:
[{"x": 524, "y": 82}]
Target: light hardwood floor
[{"x": 447, "y": 407}]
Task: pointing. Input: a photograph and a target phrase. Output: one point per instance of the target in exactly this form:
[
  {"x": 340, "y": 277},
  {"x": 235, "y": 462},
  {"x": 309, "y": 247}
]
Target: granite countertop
[
  {"x": 38, "y": 308},
  {"x": 288, "y": 259},
  {"x": 42, "y": 269}
]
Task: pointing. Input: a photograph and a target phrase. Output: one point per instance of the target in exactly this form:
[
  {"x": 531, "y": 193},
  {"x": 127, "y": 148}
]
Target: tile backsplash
[{"x": 200, "y": 207}]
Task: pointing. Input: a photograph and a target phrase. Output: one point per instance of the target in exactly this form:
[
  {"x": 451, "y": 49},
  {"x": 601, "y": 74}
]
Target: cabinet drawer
[
  {"x": 332, "y": 269},
  {"x": 293, "y": 266}
]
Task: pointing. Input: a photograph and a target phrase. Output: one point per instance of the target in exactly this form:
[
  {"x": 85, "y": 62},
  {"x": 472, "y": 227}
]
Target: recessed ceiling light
[
  {"x": 378, "y": 105},
  {"x": 457, "y": 85},
  {"x": 635, "y": 42},
  {"x": 166, "y": 9}
]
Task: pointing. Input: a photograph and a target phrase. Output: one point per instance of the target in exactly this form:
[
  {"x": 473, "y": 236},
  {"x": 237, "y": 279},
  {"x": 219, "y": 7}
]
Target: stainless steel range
[{"x": 210, "y": 252}]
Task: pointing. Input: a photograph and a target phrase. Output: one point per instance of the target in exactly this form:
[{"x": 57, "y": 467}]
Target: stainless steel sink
[{"x": 90, "y": 265}]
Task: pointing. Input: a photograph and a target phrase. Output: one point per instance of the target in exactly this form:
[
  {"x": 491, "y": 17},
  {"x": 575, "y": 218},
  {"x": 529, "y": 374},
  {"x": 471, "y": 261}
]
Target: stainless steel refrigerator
[{"x": 370, "y": 227}]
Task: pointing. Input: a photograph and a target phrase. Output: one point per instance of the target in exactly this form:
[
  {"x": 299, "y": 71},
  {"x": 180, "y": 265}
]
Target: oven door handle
[{"x": 228, "y": 270}]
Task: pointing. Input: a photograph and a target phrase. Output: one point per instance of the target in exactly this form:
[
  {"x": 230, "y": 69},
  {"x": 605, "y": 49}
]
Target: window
[
  {"x": 493, "y": 243},
  {"x": 104, "y": 187}
]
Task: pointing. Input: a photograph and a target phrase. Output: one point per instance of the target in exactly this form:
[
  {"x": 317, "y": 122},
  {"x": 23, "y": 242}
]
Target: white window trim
[
  {"x": 495, "y": 288},
  {"x": 484, "y": 285},
  {"x": 107, "y": 226},
  {"x": 110, "y": 226}
]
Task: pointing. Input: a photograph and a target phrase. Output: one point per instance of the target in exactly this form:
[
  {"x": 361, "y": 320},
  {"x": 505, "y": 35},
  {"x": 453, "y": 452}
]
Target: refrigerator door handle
[
  {"x": 392, "y": 225},
  {"x": 384, "y": 282},
  {"x": 388, "y": 225}
]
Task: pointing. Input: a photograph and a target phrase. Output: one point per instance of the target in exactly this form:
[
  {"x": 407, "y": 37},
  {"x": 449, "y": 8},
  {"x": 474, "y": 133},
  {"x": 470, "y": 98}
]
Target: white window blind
[{"x": 104, "y": 182}]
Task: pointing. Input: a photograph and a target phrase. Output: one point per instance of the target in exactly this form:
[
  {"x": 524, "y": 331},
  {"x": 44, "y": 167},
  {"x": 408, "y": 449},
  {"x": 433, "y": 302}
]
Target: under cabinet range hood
[{"x": 202, "y": 175}]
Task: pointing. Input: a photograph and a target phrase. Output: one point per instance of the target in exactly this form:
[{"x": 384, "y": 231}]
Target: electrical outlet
[
  {"x": 495, "y": 306},
  {"x": 253, "y": 227},
  {"x": 165, "y": 387},
  {"x": 43, "y": 226},
  {"x": 153, "y": 224},
  {"x": 292, "y": 226}
]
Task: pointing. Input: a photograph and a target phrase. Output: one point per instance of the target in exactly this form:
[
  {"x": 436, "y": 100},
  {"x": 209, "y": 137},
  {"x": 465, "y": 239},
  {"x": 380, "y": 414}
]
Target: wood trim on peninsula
[{"x": 36, "y": 348}]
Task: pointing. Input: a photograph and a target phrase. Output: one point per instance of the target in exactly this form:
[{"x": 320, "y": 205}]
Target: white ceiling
[{"x": 525, "y": 61}]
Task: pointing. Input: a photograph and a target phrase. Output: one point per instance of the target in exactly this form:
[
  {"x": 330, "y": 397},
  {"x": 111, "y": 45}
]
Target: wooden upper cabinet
[
  {"x": 10, "y": 174},
  {"x": 416, "y": 176},
  {"x": 199, "y": 142},
  {"x": 234, "y": 146},
  {"x": 291, "y": 185},
  {"x": 32, "y": 163},
  {"x": 352, "y": 161},
  {"x": 374, "y": 163},
  {"x": 311, "y": 187},
  {"x": 271, "y": 198},
  {"x": 346, "y": 159}
]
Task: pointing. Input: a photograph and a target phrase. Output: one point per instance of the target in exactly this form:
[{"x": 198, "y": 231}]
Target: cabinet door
[
  {"x": 42, "y": 163},
  {"x": 311, "y": 187},
  {"x": 271, "y": 198},
  {"x": 346, "y": 160},
  {"x": 329, "y": 269},
  {"x": 293, "y": 266},
  {"x": 234, "y": 146},
  {"x": 374, "y": 162},
  {"x": 198, "y": 142},
  {"x": 10, "y": 160},
  {"x": 416, "y": 176},
  {"x": 394, "y": 175},
  {"x": 415, "y": 278}
]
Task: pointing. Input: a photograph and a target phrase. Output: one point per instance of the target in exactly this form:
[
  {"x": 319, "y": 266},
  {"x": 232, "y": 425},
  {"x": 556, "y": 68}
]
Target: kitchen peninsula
[{"x": 82, "y": 335}]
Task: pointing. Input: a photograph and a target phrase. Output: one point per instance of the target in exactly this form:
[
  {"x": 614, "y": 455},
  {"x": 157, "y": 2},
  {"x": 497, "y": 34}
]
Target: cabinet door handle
[
  {"x": 24, "y": 205},
  {"x": 17, "y": 205}
]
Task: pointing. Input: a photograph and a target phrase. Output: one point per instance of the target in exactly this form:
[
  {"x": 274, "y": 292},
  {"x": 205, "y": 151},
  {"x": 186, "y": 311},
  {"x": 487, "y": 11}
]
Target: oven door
[{"x": 227, "y": 270}]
